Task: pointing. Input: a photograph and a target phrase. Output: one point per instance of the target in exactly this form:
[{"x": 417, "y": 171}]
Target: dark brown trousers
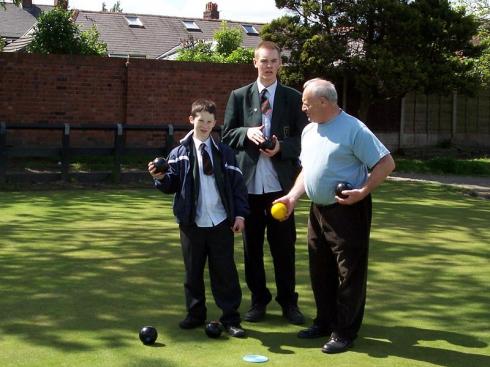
[{"x": 338, "y": 243}]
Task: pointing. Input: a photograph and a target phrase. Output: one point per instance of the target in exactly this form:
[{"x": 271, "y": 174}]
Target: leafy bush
[
  {"x": 56, "y": 33},
  {"x": 444, "y": 165},
  {"x": 225, "y": 48}
]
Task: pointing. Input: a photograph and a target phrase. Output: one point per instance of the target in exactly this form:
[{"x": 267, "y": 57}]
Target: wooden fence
[{"x": 64, "y": 151}]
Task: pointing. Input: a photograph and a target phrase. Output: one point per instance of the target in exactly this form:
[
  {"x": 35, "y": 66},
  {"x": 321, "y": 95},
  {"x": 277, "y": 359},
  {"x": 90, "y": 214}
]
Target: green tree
[
  {"x": 116, "y": 8},
  {"x": 90, "y": 43},
  {"x": 383, "y": 48},
  {"x": 225, "y": 48},
  {"x": 481, "y": 10},
  {"x": 483, "y": 63},
  {"x": 56, "y": 33}
]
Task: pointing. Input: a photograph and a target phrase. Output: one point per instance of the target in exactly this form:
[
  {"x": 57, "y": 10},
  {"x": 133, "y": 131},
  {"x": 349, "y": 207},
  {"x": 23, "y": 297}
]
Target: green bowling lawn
[{"x": 82, "y": 270}]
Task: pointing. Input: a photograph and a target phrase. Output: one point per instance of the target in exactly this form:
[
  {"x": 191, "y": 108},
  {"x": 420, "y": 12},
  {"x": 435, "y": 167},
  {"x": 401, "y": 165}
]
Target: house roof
[
  {"x": 21, "y": 43},
  {"x": 15, "y": 20},
  {"x": 158, "y": 34}
]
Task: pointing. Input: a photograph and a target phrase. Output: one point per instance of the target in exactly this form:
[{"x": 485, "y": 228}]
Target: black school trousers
[
  {"x": 338, "y": 244},
  {"x": 214, "y": 244},
  {"x": 281, "y": 237}
]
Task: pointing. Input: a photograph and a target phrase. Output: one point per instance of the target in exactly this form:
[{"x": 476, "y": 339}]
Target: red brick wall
[
  {"x": 164, "y": 90},
  {"x": 80, "y": 89}
]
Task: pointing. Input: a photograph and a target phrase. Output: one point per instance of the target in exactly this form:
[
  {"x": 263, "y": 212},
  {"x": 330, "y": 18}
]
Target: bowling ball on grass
[
  {"x": 213, "y": 329},
  {"x": 148, "y": 335}
]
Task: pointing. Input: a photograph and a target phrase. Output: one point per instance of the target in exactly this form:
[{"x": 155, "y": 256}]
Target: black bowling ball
[
  {"x": 148, "y": 335},
  {"x": 341, "y": 186},
  {"x": 161, "y": 165},
  {"x": 268, "y": 143},
  {"x": 213, "y": 329}
]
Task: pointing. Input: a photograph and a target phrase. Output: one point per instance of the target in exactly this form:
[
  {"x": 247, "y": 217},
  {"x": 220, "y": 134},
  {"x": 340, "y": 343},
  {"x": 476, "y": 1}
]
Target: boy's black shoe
[
  {"x": 235, "y": 331},
  {"x": 293, "y": 314},
  {"x": 190, "y": 323},
  {"x": 336, "y": 345},
  {"x": 314, "y": 331},
  {"x": 255, "y": 314}
]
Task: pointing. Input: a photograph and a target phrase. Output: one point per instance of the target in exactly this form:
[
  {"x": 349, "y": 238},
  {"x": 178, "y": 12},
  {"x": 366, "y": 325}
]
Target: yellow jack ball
[{"x": 279, "y": 211}]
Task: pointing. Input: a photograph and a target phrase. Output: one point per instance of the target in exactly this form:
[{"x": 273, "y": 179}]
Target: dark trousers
[
  {"x": 281, "y": 237},
  {"x": 216, "y": 245},
  {"x": 338, "y": 243}
]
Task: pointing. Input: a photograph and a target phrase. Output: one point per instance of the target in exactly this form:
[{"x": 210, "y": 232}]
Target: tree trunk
[{"x": 364, "y": 108}]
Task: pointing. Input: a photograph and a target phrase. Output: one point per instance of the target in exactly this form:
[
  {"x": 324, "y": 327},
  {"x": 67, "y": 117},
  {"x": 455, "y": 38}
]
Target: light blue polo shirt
[{"x": 340, "y": 150}]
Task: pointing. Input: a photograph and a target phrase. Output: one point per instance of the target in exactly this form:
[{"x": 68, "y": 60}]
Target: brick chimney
[
  {"x": 211, "y": 11},
  {"x": 63, "y": 4},
  {"x": 26, "y": 4}
]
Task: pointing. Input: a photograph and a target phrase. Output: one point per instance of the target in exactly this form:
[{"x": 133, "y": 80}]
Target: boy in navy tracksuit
[{"x": 210, "y": 205}]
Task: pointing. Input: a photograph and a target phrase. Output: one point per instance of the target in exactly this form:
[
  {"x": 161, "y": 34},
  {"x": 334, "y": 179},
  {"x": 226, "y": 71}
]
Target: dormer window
[
  {"x": 190, "y": 25},
  {"x": 250, "y": 30},
  {"x": 134, "y": 21}
]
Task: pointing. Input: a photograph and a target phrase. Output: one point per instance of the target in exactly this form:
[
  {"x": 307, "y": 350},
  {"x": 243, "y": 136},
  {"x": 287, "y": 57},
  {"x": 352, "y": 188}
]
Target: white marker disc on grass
[{"x": 255, "y": 358}]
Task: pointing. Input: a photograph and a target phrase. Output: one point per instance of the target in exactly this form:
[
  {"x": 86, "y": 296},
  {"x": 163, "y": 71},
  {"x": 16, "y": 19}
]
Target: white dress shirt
[
  {"x": 210, "y": 210},
  {"x": 265, "y": 178}
]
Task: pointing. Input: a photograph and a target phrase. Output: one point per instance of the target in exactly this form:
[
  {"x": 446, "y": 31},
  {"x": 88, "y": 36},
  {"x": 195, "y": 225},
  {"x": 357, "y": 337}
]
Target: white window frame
[
  {"x": 191, "y": 25},
  {"x": 134, "y": 21},
  {"x": 250, "y": 29}
]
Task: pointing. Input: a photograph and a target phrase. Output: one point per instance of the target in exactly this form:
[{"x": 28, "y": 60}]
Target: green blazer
[{"x": 288, "y": 121}]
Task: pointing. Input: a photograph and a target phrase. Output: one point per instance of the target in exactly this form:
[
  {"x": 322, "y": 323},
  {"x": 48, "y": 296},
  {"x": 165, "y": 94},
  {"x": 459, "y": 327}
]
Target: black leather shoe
[
  {"x": 293, "y": 314},
  {"x": 336, "y": 345},
  {"x": 314, "y": 331},
  {"x": 255, "y": 314},
  {"x": 235, "y": 331},
  {"x": 190, "y": 323}
]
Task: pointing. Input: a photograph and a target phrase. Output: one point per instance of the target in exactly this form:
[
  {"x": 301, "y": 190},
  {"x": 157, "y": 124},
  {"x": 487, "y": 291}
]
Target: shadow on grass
[
  {"x": 384, "y": 342},
  {"x": 87, "y": 261},
  {"x": 76, "y": 264}
]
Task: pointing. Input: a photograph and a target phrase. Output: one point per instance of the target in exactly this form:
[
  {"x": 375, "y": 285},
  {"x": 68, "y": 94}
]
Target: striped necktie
[{"x": 265, "y": 106}]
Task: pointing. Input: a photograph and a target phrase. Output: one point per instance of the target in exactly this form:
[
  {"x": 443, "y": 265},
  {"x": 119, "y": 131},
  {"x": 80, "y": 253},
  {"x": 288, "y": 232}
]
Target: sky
[{"x": 260, "y": 11}]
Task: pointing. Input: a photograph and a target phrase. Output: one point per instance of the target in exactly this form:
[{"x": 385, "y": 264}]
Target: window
[
  {"x": 126, "y": 56},
  {"x": 250, "y": 29},
  {"x": 134, "y": 21},
  {"x": 191, "y": 25}
]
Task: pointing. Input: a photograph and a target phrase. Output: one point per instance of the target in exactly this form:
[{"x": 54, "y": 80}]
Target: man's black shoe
[
  {"x": 336, "y": 345},
  {"x": 235, "y": 331},
  {"x": 314, "y": 331},
  {"x": 255, "y": 314},
  {"x": 190, "y": 323},
  {"x": 293, "y": 314}
]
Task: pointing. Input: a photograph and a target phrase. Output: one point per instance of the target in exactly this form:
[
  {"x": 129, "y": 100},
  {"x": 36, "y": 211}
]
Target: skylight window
[
  {"x": 134, "y": 21},
  {"x": 191, "y": 25},
  {"x": 250, "y": 29}
]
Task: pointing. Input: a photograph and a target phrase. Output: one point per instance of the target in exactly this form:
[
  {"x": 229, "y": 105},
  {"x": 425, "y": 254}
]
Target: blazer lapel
[
  {"x": 253, "y": 103},
  {"x": 278, "y": 109}
]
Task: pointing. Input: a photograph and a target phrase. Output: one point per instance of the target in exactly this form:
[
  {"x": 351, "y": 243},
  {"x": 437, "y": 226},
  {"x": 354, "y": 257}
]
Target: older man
[{"x": 337, "y": 147}]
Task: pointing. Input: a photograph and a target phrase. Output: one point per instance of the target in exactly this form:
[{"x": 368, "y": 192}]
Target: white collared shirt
[
  {"x": 265, "y": 179},
  {"x": 210, "y": 210}
]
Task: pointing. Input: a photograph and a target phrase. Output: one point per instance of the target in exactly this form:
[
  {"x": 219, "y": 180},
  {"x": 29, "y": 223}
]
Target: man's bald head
[{"x": 321, "y": 88}]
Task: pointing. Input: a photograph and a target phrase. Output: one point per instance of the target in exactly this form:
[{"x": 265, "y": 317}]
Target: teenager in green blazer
[{"x": 267, "y": 110}]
